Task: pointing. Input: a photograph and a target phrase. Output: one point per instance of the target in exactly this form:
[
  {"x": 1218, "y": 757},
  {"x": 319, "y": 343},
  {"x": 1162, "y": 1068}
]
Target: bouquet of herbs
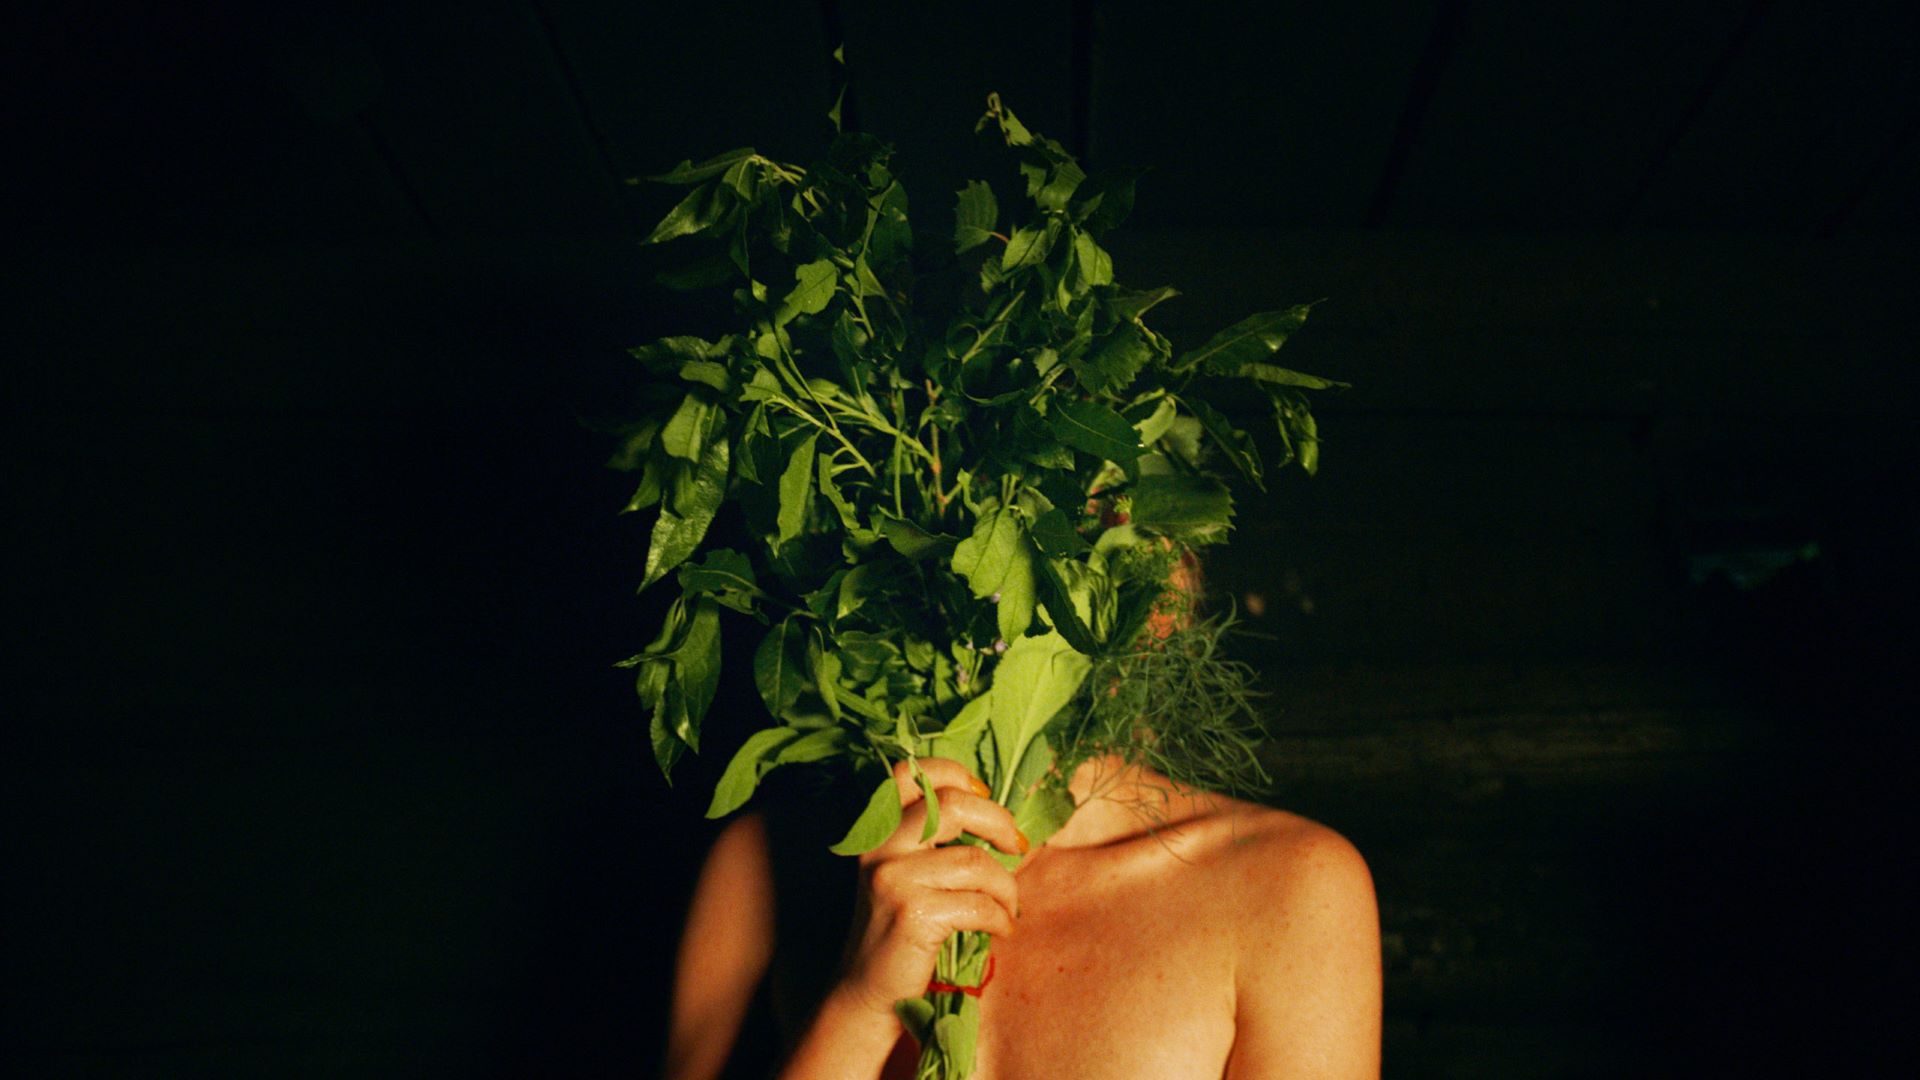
[{"x": 969, "y": 467}]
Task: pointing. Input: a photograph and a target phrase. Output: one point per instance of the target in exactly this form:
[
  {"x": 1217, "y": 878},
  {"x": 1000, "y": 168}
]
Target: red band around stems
[{"x": 935, "y": 986}]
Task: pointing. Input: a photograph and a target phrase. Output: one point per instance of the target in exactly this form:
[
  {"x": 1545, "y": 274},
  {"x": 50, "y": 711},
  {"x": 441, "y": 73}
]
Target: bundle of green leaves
[{"x": 969, "y": 469}]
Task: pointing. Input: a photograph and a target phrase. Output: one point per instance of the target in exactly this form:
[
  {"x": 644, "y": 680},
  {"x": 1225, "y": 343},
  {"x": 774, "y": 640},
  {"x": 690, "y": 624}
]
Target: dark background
[{"x": 1592, "y": 632}]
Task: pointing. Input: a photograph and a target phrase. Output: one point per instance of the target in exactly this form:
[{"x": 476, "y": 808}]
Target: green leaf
[
  {"x": 1114, "y": 192},
  {"x": 796, "y": 490},
  {"x": 916, "y": 1015},
  {"x": 1034, "y": 766},
  {"x": 666, "y": 748},
  {"x": 1308, "y": 439},
  {"x": 960, "y": 740},
  {"x": 864, "y": 654},
  {"x": 1252, "y": 338},
  {"x": 1033, "y": 681},
  {"x": 648, "y": 492},
  {"x": 1279, "y": 376},
  {"x": 669, "y": 353},
  {"x": 1112, "y": 364},
  {"x": 780, "y": 666},
  {"x": 1182, "y": 440},
  {"x": 1297, "y": 427},
  {"x": 1191, "y": 507},
  {"x": 892, "y": 233},
  {"x": 1011, "y": 128},
  {"x": 749, "y": 764},
  {"x": 997, "y": 558},
  {"x": 1237, "y": 445},
  {"x": 696, "y": 667},
  {"x": 816, "y": 282},
  {"x": 1092, "y": 265},
  {"x": 855, "y": 588},
  {"x": 685, "y": 435},
  {"x": 1029, "y": 245},
  {"x": 1092, "y": 427},
  {"x": 1125, "y": 306},
  {"x": 974, "y": 216},
  {"x": 814, "y": 746},
  {"x": 727, "y": 576},
  {"x": 1046, "y": 809},
  {"x": 708, "y": 373},
  {"x": 914, "y": 542},
  {"x": 699, "y": 211},
  {"x": 1157, "y": 423},
  {"x": 864, "y": 282},
  {"x": 826, "y": 676},
  {"x": 1059, "y": 187},
  {"x": 1062, "y": 612},
  {"x": 958, "y": 1038},
  {"x": 743, "y": 180},
  {"x": 688, "y": 173},
  {"x": 849, "y": 518},
  {"x": 1056, "y": 535},
  {"x": 875, "y": 823},
  {"x": 933, "y": 803},
  {"x": 1026, "y": 437},
  {"x": 683, "y": 525}
]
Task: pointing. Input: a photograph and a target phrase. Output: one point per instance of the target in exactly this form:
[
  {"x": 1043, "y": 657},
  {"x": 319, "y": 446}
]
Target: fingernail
[
  {"x": 1026, "y": 845},
  {"x": 980, "y": 788}
]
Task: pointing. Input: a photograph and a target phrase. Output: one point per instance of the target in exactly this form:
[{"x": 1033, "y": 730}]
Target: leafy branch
[{"x": 965, "y": 469}]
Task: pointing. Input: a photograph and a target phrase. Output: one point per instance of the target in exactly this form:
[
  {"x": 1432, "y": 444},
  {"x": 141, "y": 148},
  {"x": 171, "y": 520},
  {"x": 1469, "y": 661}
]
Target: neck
[{"x": 1115, "y": 801}]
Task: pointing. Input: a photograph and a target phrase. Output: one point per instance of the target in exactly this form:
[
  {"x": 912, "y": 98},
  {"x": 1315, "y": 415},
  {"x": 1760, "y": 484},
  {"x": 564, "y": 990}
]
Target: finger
[
  {"x": 952, "y": 869},
  {"x": 935, "y": 914},
  {"x": 943, "y": 773},
  {"x": 962, "y": 812}
]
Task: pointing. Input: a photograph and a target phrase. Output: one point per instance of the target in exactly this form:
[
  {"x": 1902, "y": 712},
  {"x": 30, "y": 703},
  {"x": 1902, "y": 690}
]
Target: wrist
[
  {"x": 854, "y": 1008},
  {"x": 849, "y": 1036}
]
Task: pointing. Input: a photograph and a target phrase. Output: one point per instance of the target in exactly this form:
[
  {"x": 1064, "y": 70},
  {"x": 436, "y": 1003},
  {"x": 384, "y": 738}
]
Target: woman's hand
[{"x": 914, "y": 893}]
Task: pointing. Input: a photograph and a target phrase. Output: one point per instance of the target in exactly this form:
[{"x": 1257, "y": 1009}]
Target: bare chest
[{"x": 1110, "y": 977}]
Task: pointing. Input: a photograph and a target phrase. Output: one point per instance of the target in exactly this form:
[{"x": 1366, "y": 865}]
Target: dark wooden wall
[{"x": 314, "y": 761}]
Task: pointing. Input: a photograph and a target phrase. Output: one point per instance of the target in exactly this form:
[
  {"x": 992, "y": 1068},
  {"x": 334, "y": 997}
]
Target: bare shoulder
[
  {"x": 1278, "y": 844},
  {"x": 742, "y": 843},
  {"x": 1306, "y": 932},
  {"x": 1292, "y": 880}
]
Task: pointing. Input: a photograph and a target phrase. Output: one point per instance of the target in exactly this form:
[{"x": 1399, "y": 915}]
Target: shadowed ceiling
[{"x": 347, "y": 121}]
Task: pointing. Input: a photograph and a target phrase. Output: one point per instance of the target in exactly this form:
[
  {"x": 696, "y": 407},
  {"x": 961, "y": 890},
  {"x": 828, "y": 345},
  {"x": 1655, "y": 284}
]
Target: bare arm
[
  {"x": 724, "y": 952},
  {"x": 1308, "y": 981}
]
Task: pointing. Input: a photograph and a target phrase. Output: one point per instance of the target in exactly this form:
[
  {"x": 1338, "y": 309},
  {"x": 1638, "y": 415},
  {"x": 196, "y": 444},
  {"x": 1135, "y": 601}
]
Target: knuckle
[{"x": 885, "y": 879}]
